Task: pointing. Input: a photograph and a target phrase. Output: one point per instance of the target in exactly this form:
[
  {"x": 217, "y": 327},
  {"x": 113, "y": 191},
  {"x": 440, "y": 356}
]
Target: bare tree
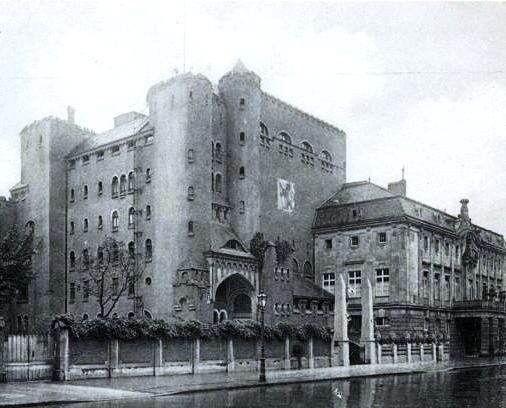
[{"x": 111, "y": 273}]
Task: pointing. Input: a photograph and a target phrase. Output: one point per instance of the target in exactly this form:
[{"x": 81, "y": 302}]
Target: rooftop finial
[{"x": 403, "y": 169}]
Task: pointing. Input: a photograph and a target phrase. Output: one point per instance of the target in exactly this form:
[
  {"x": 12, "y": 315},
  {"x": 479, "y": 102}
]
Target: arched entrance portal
[{"x": 235, "y": 296}]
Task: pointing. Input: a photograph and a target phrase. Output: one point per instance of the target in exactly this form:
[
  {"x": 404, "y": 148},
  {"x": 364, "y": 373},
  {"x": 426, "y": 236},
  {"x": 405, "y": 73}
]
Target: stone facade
[
  {"x": 187, "y": 186},
  {"x": 426, "y": 267}
]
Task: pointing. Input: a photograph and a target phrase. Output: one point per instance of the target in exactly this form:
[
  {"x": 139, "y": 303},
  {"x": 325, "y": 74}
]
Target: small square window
[
  {"x": 100, "y": 155},
  {"x": 328, "y": 244},
  {"x": 86, "y": 159},
  {"x": 115, "y": 150},
  {"x": 382, "y": 237},
  {"x": 354, "y": 241},
  {"x": 131, "y": 145},
  {"x": 72, "y": 164},
  {"x": 242, "y": 102},
  {"x": 148, "y": 140}
]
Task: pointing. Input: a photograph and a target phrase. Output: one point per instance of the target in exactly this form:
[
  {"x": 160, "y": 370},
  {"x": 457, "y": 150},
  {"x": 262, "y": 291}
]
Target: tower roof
[{"x": 240, "y": 68}]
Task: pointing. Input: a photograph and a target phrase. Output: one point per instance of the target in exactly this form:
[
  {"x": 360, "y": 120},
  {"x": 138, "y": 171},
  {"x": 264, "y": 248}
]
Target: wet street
[{"x": 477, "y": 387}]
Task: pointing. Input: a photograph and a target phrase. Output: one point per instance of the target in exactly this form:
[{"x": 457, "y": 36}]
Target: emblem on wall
[{"x": 286, "y": 195}]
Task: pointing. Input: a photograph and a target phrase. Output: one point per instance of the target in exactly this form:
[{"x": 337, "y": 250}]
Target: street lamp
[{"x": 262, "y": 301}]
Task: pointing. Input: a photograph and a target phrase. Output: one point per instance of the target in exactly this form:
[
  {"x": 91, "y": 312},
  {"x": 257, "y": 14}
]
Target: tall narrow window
[
  {"x": 148, "y": 212},
  {"x": 190, "y": 227},
  {"x": 100, "y": 188},
  {"x": 242, "y": 172},
  {"x": 85, "y": 225},
  {"x": 148, "y": 250},
  {"x": 447, "y": 289},
  {"x": 100, "y": 254},
  {"x": 425, "y": 284},
  {"x": 190, "y": 193},
  {"x": 131, "y": 250},
  {"x": 100, "y": 222},
  {"x": 115, "y": 221},
  {"x": 354, "y": 283},
  {"x": 382, "y": 282},
  {"x": 190, "y": 156},
  {"x": 242, "y": 138},
  {"x": 85, "y": 192},
  {"x": 437, "y": 287},
  {"x": 217, "y": 183},
  {"x": 71, "y": 227},
  {"x": 217, "y": 150},
  {"x": 212, "y": 181},
  {"x": 148, "y": 175},
  {"x": 72, "y": 195},
  {"x": 329, "y": 281},
  {"x": 131, "y": 217},
  {"x": 72, "y": 290},
  {"x": 86, "y": 290},
  {"x": 72, "y": 260},
  {"x": 86, "y": 259},
  {"x": 131, "y": 181},
  {"x": 123, "y": 184},
  {"x": 242, "y": 208},
  {"x": 115, "y": 253},
  {"x": 114, "y": 186}
]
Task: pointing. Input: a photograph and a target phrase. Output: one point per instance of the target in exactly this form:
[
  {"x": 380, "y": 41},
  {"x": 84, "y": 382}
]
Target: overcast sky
[{"x": 420, "y": 85}]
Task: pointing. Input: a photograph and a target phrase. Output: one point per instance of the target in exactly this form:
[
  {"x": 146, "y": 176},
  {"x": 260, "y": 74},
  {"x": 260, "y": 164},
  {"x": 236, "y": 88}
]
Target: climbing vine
[{"x": 129, "y": 329}]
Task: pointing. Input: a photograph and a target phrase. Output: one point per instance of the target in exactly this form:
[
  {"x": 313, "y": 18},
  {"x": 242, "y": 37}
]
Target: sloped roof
[
  {"x": 220, "y": 235},
  {"x": 304, "y": 288},
  {"x": 112, "y": 135},
  {"x": 356, "y": 192}
]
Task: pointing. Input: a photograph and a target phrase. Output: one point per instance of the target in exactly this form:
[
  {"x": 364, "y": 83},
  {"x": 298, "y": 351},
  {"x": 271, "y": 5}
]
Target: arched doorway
[{"x": 235, "y": 296}]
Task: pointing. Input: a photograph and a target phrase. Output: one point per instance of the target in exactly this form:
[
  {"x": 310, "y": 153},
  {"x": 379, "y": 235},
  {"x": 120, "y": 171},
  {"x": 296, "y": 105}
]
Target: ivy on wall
[{"x": 129, "y": 329}]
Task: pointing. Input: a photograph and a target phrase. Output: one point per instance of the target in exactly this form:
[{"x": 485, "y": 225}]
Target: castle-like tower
[{"x": 187, "y": 186}]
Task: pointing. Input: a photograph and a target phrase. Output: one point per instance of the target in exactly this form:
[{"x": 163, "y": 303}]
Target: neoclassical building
[
  {"x": 185, "y": 187},
  {"x": 431, "y": 272}
]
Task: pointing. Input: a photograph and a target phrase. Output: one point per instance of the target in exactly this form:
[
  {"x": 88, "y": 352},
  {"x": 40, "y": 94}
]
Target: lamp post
[{"x": 262, "y": 300}]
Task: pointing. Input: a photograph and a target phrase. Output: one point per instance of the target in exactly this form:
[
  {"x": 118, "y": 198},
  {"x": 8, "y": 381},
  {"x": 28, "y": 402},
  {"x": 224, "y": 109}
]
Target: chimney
[
  {"x": 398, "y": 187},
  {"x": 71, "y": 112}
]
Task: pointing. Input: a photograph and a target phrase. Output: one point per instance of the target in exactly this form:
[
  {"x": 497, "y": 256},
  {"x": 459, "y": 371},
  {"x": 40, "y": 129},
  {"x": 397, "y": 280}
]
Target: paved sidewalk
[{"x": 18, "y": 394}]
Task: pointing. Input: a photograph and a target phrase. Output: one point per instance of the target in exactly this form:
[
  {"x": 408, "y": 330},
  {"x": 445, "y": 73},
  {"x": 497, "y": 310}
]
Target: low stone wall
[
  {"x": 100, "y": 358},
  {"x": 411, "y": 353}
]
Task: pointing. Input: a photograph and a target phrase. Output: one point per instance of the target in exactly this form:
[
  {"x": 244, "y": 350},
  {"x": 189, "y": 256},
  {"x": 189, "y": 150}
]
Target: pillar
[
  {"x": 158, "y": 363},
  {"x": 434, "y": 352},
  {"x": 333, "y": 355},
  {"x": 113, "y": 357},
  {"x": 63, "y": 357},
  {"x": 311, "y": 352},
  {"x": 422, "y": 351},
  {"x": 286, "y": 360},
  {"x": 379, "y": 348},
  {"x": 341, "y": 340},
  {"x": 230, "y": 355},
  {"x": 367, "y": 331},
  {"x": 408, "y": 351},
  {"x": 196, "y": 356},
  {"x": 394, "y": 353}
]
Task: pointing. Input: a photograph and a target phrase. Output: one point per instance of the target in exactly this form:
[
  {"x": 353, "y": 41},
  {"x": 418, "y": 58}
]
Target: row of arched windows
[
  {"x": 285, "y": 138},
  {"x": 119, "y": 185},
  {"x": 114, "y": 256},
  {"x": 114, "y": 220}
]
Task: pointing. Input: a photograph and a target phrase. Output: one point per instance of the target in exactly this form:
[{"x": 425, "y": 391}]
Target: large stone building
[
  {"x": 431, "y": 272},
  {"x": 186, "y": 187}
]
